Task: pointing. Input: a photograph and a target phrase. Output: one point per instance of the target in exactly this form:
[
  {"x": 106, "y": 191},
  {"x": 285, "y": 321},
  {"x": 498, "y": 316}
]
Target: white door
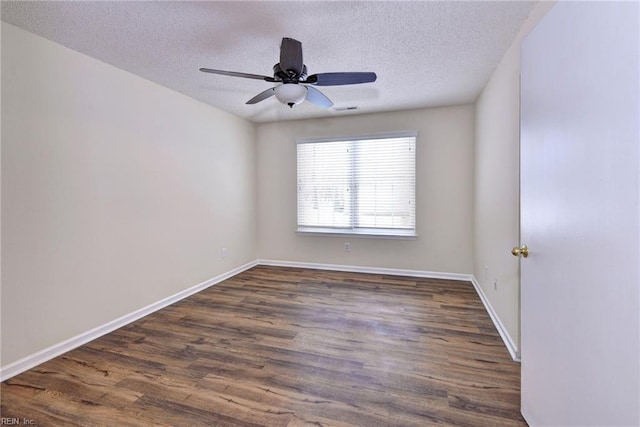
[{"x": 580, "y": 137}]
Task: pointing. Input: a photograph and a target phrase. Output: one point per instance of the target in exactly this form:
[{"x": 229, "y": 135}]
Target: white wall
[
  {"x": 444, "y": 192},
  {"x": 116, "y": 193},
  {"x": 496, "y": 192}
]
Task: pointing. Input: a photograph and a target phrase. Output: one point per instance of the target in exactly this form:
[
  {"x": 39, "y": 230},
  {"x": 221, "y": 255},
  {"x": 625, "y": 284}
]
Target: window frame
[{"x": 387, "y": 233}]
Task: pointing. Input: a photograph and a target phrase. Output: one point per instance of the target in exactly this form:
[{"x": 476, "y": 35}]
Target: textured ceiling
[{"x": 428, "y": 53}]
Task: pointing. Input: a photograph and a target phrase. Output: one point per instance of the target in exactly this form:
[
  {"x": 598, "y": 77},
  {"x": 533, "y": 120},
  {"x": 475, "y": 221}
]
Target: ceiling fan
[{"x": 295, "y": 85}]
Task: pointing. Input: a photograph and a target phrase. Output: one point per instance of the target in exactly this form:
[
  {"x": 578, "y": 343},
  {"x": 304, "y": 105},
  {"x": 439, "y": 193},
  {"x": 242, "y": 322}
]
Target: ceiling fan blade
[
  {"x": 262, "y": 96},
  {"x": 291, "y": 56},
  {"x": 236, "y": 74},
  {"x": 339, "y": 79},
  {"x": 318, "y": 98}
]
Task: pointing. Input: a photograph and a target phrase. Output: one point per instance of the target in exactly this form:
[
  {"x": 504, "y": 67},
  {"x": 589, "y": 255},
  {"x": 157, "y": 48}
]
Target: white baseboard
[
  {"x": 55, "y": 350},
  {"x": 502, "y": 331},
  {"x": 504, "y": 334},
  {"x": 369, "y": 270}
]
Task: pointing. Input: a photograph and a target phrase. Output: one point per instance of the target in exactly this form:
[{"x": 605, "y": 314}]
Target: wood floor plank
[{"x": 287, "y": 347}]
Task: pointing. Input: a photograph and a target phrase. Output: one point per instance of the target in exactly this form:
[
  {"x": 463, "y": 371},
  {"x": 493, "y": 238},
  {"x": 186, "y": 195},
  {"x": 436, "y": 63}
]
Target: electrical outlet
[
  {"x": 495, "y": 284},
  {"x": 347, "y": 247},
  {"x": 224, "y": 253}
]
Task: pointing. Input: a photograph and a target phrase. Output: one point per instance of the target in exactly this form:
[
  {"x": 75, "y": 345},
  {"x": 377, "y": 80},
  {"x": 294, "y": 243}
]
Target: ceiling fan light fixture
[
  {"x": 291, "y": 93},
  {"x": 295, "y": 85}
]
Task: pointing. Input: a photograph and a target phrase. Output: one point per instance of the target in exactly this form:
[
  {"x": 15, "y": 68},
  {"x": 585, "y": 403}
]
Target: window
[{"x": 363, "y": 185}]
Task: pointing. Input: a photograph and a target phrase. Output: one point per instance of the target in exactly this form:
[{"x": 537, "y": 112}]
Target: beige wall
[
  {"x": 496, "y": 180},
  {"x": 116, "y": 193},
  {"x": 444, "y": 192}
]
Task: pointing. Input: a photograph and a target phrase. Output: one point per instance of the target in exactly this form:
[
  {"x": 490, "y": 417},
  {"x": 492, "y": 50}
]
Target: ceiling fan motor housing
[{"x": 280, "y": 74}]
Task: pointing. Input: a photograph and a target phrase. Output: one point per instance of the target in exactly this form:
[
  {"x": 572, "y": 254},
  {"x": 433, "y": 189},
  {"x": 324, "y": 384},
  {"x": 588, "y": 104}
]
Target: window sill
[{"x": 364, "y": 233}]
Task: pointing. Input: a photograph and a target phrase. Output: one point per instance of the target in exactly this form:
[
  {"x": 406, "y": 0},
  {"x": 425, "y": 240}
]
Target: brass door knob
[{"x": 522, "y": 250}]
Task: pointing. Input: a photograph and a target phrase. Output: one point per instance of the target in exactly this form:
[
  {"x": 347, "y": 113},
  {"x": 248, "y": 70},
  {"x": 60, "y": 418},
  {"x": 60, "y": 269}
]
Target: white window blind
[{"x": 358, "y": 185}]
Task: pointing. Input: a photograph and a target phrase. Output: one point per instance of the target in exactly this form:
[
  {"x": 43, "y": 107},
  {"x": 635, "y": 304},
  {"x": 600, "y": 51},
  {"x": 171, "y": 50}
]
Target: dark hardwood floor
[{"x": 287, "y": 347}]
